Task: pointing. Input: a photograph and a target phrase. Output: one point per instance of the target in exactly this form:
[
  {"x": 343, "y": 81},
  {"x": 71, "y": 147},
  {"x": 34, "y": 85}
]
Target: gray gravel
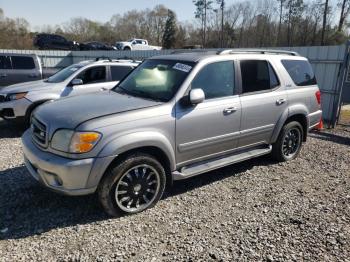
[{"x": 256, "y": 210}]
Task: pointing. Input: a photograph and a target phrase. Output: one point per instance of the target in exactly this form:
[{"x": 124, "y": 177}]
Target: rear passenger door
[
  {"x": 263, "y": 99},
  {"x": 212, "y": 127}
]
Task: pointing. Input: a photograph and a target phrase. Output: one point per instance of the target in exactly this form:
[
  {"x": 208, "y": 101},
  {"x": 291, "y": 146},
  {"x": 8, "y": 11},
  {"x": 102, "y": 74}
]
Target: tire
[
  {"x": 137, "y": 178},
  {"x": 127, "y": 48},
  {"x": 289, "y": 142}
]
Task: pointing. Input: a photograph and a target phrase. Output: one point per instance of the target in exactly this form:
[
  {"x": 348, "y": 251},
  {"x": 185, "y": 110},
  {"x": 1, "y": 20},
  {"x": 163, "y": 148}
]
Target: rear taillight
[{"x": 318, "y": 96}]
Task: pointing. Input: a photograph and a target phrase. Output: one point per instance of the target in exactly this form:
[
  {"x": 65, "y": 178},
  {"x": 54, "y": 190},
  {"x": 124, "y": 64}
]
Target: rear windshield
[
  {"x": 22, "y": 62},
  {"x": 300, "y": 71}
]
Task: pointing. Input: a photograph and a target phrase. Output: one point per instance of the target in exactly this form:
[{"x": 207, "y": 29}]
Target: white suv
[{"x": 18, "y": 101}]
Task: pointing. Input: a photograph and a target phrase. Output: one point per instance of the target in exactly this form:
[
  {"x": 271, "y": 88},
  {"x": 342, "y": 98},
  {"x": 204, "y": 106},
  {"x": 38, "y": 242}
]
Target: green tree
[
  {"x": 169, "y": 37},
  {"x": 202, "y": 8}
]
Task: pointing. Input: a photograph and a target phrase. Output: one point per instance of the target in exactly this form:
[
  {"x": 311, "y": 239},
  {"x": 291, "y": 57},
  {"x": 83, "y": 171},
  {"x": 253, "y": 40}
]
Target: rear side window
[
  {"x": 119, "y": 72},
  {"x": 5, "y": 62},
  {"x": 216, "y": 80},
  {"x": 300, "y": 71},
  {"x": 258, "y": 75},
  {"x": 22, "y": 62}
]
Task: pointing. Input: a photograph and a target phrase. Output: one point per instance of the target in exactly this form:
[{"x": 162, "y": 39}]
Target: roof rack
[
  {"x": 103, "y": 58},
  {"x": 256, "y": 51},
  {"x": 185, "y": 51}
]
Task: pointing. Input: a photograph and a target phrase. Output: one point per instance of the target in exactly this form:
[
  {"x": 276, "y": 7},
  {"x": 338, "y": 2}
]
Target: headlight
[
  {"x": 74, "y": 142},
  {"x": 16, "y": 96}
]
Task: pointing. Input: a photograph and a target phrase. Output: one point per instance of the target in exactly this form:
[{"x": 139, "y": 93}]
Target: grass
[{"x": 344, "y": 117}]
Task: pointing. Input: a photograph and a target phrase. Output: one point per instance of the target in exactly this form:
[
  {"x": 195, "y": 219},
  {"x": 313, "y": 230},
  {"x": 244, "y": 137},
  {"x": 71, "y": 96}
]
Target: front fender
[{"x": 136, "y": 140}]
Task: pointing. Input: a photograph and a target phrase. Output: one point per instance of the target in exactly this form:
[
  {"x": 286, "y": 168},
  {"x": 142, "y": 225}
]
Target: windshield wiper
[{"x": 140, "y": 94}]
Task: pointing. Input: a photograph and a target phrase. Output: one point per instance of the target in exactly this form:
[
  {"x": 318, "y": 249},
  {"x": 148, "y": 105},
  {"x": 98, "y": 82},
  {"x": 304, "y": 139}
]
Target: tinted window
[
  {"x": 93, "y": 75},
  {"x": 257, "y": 75},
  {"x": 119, "y": 72},
  {"x": 21, "y": 62},
  {"x": 216, "y": 80},
  {"x": 300, "y": 71},
  {"x": 5, "y": 62},
  {"x": 156, "y": 79}
]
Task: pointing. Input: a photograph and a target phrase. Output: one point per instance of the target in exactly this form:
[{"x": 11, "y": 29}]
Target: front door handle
[
  {"x": 230, "y": 110},
  {"x": 281, "y": 101},
  {"x": 3, "y": 75}
]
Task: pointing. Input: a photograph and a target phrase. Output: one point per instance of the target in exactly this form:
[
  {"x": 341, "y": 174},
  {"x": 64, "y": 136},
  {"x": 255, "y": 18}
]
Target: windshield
[
  {"x": 156, "y": 79},
  {"x": 63, "y": 74}
]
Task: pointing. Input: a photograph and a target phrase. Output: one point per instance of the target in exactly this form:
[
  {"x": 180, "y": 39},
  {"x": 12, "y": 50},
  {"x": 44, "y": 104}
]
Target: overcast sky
[{"x": 56, "y": 12}]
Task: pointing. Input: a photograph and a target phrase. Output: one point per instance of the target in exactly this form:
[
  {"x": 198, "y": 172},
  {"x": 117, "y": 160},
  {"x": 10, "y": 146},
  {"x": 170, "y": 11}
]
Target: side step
[{"x": 205, "y": 166}]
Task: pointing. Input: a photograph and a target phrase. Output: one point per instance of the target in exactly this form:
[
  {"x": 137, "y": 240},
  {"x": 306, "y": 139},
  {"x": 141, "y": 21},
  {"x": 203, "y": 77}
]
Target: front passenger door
[
  {"x": 212, "y": 127},
  {"x": 94, "y": 79}
]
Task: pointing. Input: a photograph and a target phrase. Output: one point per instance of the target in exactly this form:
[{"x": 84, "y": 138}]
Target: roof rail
[
  {"x": 185, "y": 51},
  {"x": 256, "y": 51},
  {"x": 102, "y": 58}
]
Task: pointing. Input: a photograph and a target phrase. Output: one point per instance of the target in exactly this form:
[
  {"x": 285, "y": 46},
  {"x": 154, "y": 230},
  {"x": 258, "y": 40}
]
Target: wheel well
[
  {"x": 153, "y": 151},
  {"x": 302, "y": 120}
]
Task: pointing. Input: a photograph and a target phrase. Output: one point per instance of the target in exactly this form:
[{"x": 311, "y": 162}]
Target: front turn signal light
[{"x": 83, "y": 142}]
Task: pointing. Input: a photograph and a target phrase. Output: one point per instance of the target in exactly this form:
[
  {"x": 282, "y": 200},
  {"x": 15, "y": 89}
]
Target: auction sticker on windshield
[{"x": 182, "y": 67}]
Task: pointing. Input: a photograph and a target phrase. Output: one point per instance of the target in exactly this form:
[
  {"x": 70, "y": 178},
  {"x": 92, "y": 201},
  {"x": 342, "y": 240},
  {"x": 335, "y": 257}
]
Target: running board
[{"x": 206, "y": 166}]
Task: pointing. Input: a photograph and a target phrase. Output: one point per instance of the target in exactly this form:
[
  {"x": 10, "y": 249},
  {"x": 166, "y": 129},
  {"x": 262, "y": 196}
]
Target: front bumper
[
  {"x": 62, "y": 175},
  {"x": 14, "y": 109}
]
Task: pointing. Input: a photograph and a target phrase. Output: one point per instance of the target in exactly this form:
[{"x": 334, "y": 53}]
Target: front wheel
[
  {"x": 132, "y": 185},
  {"x": 289, "y": 142}
]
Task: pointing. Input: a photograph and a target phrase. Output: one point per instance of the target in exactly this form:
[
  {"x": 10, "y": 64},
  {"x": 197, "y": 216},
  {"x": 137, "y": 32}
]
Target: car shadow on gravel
[
  {"x": 330, "y": 137},
  {"x": 10, "y": 130},
  {"x": 28, "y": 209}
]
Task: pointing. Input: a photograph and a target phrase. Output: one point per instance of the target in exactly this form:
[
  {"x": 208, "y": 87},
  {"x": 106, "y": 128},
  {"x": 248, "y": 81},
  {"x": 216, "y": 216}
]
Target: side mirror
[
  {"x": 197, "y": 96},
  {"x": 77, "y": 82}
]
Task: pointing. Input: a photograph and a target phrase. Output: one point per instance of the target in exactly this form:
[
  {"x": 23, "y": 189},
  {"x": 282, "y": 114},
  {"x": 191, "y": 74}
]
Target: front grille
[
  {"x": 2, "y": 98},
  {"x": 39, "y": 132}
]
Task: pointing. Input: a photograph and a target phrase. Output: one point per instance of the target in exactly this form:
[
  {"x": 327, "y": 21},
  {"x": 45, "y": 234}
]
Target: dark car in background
[
  {"x": 51, "y": 41},
  {"x": 96, "y": 46}
]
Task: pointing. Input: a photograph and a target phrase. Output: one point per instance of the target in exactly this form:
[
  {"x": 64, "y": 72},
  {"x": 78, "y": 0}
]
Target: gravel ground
[{"x": 256, "y": 210}]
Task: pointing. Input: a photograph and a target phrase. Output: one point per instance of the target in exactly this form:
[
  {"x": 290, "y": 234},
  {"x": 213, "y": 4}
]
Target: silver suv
[
  {"x": 17, "y": 102},
  {"x": 173, "y": 117}
]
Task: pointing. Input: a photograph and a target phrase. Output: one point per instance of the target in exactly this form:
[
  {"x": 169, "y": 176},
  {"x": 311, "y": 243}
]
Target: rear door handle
[
  {"x": 3, "y": 75},
  {"x": 230, "y": 110},
  {"x": 281, "y": 101}
]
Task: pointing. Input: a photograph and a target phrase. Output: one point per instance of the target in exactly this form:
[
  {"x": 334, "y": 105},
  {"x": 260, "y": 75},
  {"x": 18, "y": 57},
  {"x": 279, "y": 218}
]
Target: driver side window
[
  {"x": 216, "y": 80},
  {"x": 93, "y": 75}
]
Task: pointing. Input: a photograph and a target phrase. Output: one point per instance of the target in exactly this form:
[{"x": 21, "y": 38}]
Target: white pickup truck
[{"x": 136, "y": 44}]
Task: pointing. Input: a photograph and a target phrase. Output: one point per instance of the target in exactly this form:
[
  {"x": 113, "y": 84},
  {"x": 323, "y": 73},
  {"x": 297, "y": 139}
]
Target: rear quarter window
[
  {"x": 300, "y": 71},
  {"x": 21, "y": 62}
]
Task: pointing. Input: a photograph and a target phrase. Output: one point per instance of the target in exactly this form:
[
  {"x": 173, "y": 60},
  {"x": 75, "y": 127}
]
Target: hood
[
  {"x": 26, "y": 87},
  {"x": 72, "y": 111}
]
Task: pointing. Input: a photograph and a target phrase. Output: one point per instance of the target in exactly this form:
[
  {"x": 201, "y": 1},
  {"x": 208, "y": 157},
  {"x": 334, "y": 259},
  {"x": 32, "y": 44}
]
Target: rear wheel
[
  {"x": 132, "y": 185},
  {"x": 289, "y": 142}
]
